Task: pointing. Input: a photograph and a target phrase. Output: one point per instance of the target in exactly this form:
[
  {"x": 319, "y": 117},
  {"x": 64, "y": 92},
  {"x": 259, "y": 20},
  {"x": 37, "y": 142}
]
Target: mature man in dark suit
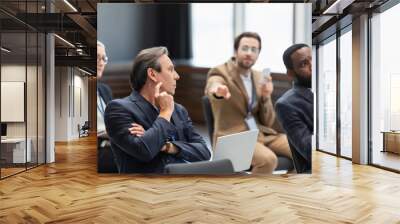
[
  {"x": 148, "y": 130},
  {"x": 295, "y": 107},
  {"x": 105, "y": 158}
]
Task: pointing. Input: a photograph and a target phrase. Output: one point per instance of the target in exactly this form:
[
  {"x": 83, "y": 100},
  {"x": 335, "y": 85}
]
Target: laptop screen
[{"x": 238, "y": 148}]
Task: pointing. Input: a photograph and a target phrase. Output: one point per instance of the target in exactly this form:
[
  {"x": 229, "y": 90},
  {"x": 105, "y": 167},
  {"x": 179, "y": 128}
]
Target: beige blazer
[{"x": 229, "y": 114}]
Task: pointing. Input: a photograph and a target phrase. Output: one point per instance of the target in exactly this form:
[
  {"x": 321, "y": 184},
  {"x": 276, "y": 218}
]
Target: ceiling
[
  {"x": 331, "y": 15},
  {"x": 76, "y": 24}
]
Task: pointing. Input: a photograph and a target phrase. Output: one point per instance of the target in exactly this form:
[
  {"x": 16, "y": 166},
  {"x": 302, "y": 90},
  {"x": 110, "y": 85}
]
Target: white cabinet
[{"x": 16, "y": 149}]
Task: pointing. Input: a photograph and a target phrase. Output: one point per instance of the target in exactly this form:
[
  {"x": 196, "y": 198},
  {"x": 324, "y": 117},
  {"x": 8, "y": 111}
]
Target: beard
[
  {"x": 302, "y": 81},
  {"x": 242, "y": 65}
]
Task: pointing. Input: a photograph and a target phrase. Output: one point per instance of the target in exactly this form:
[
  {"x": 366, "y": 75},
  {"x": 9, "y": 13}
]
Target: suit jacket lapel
[
  {"x": 256, "y": 80},
  {"x": 143, "y": 105},
  {"x": 305, "y": 93}
]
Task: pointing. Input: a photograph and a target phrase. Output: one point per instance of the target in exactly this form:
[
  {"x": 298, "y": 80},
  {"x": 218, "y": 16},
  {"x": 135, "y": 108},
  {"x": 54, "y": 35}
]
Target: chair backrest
[
  {"x": 208, "y": 115},
  {"x": 86, "y": 125},
  {"x": 223, "y": 166}
]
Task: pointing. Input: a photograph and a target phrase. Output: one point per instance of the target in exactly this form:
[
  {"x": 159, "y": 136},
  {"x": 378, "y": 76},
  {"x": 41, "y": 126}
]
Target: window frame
[{"x": 334, "y": 37}]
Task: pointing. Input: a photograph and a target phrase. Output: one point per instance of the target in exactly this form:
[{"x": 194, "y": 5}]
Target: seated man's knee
[
  {"x": 271, "y": 161},
  {"x": 264, "y": 161}
]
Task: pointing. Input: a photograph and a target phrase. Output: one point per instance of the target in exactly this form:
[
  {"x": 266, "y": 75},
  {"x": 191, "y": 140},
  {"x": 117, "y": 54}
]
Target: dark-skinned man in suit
[{"x": 295, "y": 107}]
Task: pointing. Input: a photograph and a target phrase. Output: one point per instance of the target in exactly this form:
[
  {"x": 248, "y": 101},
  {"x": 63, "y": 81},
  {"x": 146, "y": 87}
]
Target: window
[
  {"x": 22, "y": 65},
  {"x": 385, "y": 84},
  {"x": 274, "y": 23},
  {"x": 327, "y": 96},
  {"x": 212, "y": 33},
  {"x": 346, "y": 94}
]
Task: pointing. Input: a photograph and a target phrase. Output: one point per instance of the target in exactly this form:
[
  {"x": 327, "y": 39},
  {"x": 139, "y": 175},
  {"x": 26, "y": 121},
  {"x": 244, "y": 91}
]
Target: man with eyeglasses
[
  {"x": 105, "y": 159},
  {"x": 240, "y": 98}
]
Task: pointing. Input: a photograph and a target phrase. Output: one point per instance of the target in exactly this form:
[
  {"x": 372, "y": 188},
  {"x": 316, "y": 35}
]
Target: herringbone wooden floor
[{"x": 70, "y": 191}]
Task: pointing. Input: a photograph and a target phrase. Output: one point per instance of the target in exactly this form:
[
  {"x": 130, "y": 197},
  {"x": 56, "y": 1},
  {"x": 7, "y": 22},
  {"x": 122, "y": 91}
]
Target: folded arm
[
  {"x": 144, "y": 148},
  {"x": 194, "y": 148}
]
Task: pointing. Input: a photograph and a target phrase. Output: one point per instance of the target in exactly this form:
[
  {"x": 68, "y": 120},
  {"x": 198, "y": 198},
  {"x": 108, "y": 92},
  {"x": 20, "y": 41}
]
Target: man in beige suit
[{"x": 241, "y": 100}]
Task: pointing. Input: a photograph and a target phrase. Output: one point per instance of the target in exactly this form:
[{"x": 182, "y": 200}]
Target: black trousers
[{"x": 105, "y": 157}]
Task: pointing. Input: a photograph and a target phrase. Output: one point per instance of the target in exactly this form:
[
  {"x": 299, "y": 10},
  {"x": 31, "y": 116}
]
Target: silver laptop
[{"x": 238, "y": 148}]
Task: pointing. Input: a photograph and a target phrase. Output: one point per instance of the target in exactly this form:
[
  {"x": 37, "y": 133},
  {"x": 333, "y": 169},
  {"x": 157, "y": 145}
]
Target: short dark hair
[
  {"x": 147, "y": 58},
  {"x": 288, "y": 53},
  {"x": 246, "y": 34}
]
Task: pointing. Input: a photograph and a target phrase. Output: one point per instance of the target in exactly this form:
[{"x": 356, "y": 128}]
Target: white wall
[
  {"x": 14, "y": 73},
  {"x": 17, "y": 73},
  {"x": 80, "y": 109},
  {"x": 33, "y": 126},
  {"x": 71, "y": 94},
  {"x": 61, "y": 103}
]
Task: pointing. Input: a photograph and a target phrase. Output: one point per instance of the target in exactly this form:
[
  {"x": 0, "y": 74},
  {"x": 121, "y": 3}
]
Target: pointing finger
[{"x": 228, "y": 95}]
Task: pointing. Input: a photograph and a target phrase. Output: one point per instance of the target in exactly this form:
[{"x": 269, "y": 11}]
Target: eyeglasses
[
  {"x": 104, "y": 59},
  {"x": 253, "y": 50}
]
